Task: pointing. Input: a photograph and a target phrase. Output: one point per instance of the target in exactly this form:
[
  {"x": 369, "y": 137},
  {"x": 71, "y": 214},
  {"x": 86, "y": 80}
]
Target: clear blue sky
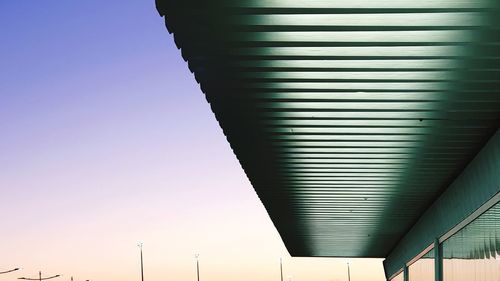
[{"x": 106, "y": 139}]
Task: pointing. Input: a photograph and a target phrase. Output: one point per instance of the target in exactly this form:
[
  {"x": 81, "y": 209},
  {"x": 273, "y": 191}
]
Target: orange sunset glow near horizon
[{"x": 107, "y": 141}]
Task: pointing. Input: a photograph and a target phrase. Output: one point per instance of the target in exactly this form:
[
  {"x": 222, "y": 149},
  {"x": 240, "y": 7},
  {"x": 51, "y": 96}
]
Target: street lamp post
[
  {"x": 348, "y": 272},
  {"x": 142, "y": 264},
  {"x": 197, "y": 267},
  {"x": 9, "y": 271},
  {"x": 40, "y": 277},
  {"x": 281, "y": 269}
]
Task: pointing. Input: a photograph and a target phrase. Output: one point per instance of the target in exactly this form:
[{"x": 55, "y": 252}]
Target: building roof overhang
[{"x": 349, "y": 117}]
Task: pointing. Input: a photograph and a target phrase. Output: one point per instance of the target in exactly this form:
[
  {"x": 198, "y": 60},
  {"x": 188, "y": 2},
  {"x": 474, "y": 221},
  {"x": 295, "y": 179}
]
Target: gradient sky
[{"x": 106, "y": 140}]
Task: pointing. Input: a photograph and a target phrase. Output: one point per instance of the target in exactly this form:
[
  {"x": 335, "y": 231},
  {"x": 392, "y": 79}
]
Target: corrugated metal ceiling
[{"x": 350, "y": 116}]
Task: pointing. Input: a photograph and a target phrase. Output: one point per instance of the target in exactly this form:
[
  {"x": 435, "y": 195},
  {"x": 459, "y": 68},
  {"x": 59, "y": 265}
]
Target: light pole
[
  {"x": 40, "y": 277},
  {"x": 9, "y": 271},
  {"x": 348, "y": 272},
  {"x": 142, "y": 264},
  {"x": 281, "y": 269},
  {"x": 197, "y": 266}
]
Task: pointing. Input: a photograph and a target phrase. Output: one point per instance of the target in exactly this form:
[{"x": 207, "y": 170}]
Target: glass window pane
[
  {"x": 423, "y": 268},
  {"x": 473, "y": 253}
]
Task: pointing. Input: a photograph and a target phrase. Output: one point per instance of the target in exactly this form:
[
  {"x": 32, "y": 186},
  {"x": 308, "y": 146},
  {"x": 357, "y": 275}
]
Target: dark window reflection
[{"x": 473, "y": 253}]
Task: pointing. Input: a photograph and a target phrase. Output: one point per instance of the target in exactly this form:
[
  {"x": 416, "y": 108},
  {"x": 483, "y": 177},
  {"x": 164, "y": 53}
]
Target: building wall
[{"x": 476, "y": 185}]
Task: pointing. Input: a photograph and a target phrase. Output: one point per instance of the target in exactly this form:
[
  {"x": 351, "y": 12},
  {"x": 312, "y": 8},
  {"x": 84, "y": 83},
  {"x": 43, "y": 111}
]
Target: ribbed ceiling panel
[{"x": 349, "y": 117}]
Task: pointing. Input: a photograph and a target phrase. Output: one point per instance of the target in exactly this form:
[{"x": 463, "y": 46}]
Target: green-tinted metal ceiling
[{"x": 351, "y": 116}]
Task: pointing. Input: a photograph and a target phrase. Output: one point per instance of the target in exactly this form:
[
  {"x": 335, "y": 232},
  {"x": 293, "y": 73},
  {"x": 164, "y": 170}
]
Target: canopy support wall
[{"x": 475, "y": 186}]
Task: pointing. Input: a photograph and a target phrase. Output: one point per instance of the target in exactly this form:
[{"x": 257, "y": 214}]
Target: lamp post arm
[
  {"x": 12, "y": 270},
  {"x": 51, "y": 277},
  {"x": 45, "y": 278}
]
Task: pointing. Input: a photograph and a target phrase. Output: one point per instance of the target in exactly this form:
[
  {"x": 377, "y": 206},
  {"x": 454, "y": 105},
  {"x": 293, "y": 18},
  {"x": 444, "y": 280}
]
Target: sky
[{"x": 106, "y": 140}]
